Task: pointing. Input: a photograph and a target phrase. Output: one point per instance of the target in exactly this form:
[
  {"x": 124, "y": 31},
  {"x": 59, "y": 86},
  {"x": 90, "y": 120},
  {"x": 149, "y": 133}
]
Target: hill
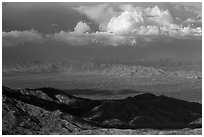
[{"x": 52, "y": 111}]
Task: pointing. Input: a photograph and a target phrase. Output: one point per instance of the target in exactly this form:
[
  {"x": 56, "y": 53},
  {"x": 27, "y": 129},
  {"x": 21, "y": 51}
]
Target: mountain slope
[{"x": 51, "y": 111}]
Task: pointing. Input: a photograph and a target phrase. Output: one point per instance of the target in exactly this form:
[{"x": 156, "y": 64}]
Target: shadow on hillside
[{"x": 150, "y": 108}]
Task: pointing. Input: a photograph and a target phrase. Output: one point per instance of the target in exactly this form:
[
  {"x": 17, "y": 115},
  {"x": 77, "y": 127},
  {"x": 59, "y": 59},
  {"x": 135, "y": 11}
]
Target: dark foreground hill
[{"x": 52, "y": 111}]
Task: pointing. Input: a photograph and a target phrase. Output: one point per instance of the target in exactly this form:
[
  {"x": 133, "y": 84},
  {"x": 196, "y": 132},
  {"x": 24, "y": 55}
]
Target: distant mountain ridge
[
  {"x": 52, "y": 111},
  {"x": 137, "y": 69}
]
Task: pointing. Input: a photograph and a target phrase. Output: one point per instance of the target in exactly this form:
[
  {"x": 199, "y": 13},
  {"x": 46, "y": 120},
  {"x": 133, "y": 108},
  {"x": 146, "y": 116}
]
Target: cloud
[
  {"x": 148, "y": 30},
  {"x": 144, "y": 35},
  {"x": 96, "y": 39},
  {"x": 101, "y": 14},
  {"x": 157, "y": 16},
  {"x": 78, "y": 37},
  {"x": 181, "y": 32},
  {"x": 81, "y": 36},
  {"x": 188, "y": 12},
  {"x": 194, "y": 20},
  {"x": 133, "y": 19},
  {"x": 131, "y": 26},
  {"x": 69, "y": 38},
  {"x": 15, "y": 38},
  {"x": 110, "y": 39},
  {"x": 81, "y": 27},
  {"x": 125, "y": 23},
  {"x": 148, "y": 21}
]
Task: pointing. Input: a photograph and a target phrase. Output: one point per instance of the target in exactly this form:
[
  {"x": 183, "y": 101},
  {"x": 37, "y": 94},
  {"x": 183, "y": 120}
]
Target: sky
[{"x": 101, "y": 30}]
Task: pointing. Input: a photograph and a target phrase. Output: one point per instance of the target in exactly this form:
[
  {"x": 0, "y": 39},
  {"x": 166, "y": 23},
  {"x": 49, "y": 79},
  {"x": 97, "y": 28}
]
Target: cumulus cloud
[
  {"x": 129, "y": 27},
  {"x": 148, "y": 21},
  {"x": 77, "y": 37},
  {"x": 157, "y": 16},
  {"x": 125, "y": 23},
  {"x": 133, "y": 19},
  {"x": 81, "y": 36},
  {"x": 15, "y": 38},
  {"x": 137, "y": 20},
  {"x": 81, "y": 27},
  {"x": 100, "y": 13}
]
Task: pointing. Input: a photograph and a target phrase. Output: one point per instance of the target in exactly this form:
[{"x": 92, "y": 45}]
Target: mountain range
[{"x": 53, "y": 111}]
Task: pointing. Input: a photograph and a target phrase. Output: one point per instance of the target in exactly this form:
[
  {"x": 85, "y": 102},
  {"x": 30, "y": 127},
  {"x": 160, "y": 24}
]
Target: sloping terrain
[{"x": 52, "y": 111}]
